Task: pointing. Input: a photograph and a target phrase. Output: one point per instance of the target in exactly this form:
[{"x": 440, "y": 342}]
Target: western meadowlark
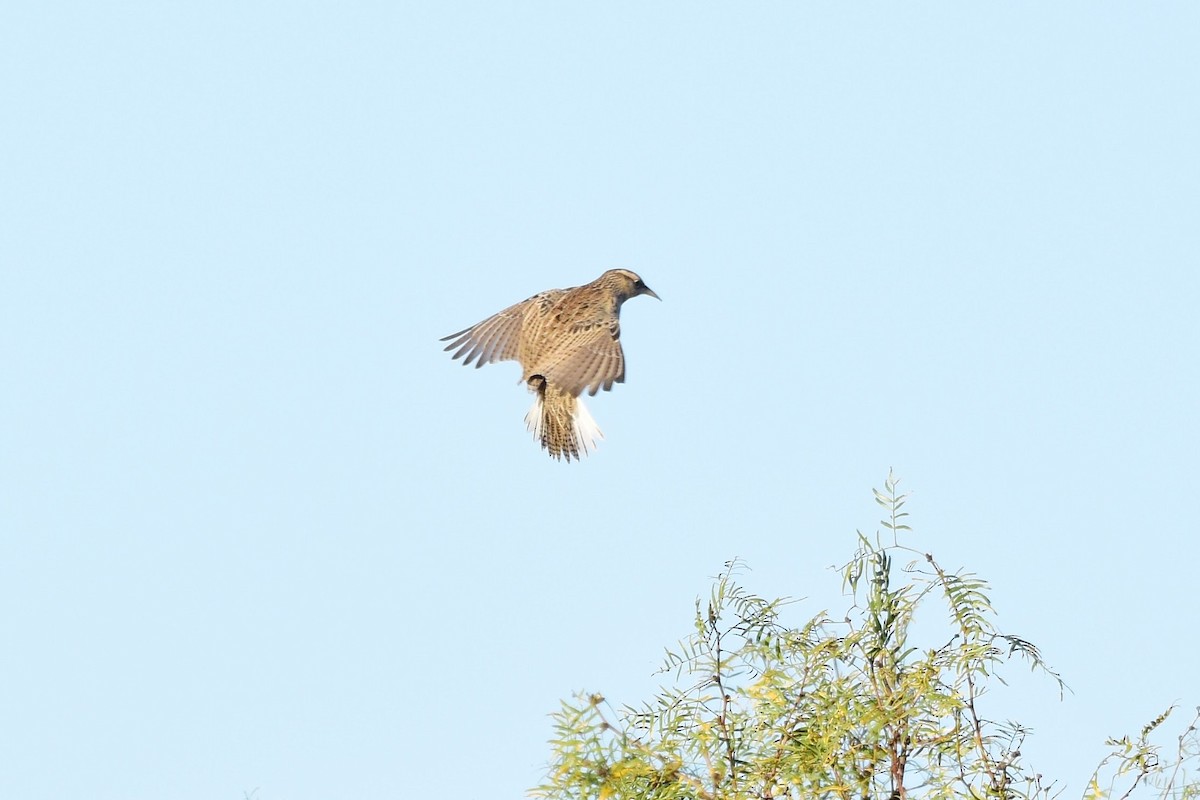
[{"x": 568, "y": 341}]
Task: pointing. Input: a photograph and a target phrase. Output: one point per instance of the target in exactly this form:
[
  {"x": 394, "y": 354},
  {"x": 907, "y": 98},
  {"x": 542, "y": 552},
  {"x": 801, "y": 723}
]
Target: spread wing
[
  {"x": 494, "y": 339},
  {"x": 589, "y": 358}
]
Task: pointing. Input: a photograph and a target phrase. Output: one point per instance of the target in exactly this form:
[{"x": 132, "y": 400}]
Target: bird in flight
[{"x": 568, "y": 341}]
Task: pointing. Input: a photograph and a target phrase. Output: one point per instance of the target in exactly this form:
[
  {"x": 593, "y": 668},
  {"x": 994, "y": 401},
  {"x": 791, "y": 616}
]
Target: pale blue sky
[{"x": 259, "y": 531}]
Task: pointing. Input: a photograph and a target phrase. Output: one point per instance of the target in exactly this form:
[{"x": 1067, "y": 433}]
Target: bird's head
[{"x": 626, "y": 284}]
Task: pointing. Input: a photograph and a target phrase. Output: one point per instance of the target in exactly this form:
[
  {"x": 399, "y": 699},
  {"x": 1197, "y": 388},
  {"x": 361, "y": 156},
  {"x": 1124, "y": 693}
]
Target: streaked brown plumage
[{"x": 568, "y": 342}]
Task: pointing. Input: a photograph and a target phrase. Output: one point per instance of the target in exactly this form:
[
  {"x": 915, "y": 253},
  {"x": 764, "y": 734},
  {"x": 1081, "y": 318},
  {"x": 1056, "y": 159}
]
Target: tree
[{"x": 835, "y": 708}]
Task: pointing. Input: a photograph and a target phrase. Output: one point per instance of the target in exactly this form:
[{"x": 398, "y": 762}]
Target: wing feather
[
  {"x": 593, "y": 361},
  {"x": 493, "y": 339}
]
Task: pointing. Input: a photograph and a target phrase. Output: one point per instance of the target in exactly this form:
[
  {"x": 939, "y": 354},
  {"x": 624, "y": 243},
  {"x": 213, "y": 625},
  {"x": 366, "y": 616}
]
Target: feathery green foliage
[
  {"x": 1138, "y": 765},
  {"x": 835, "y": 708}
]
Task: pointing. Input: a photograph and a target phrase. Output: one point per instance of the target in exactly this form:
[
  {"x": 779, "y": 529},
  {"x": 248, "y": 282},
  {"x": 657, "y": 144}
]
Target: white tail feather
[
  {"x": 587, "y": 432},
  {"x": 534, "y": 419}
]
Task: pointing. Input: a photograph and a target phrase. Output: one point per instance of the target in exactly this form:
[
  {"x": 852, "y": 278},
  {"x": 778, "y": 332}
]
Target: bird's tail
[{"x": 560, "y": 421}]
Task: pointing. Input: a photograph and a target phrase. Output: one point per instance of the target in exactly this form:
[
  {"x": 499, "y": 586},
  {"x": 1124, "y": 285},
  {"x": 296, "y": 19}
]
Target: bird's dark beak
[{"x": 647, "y": 290}]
